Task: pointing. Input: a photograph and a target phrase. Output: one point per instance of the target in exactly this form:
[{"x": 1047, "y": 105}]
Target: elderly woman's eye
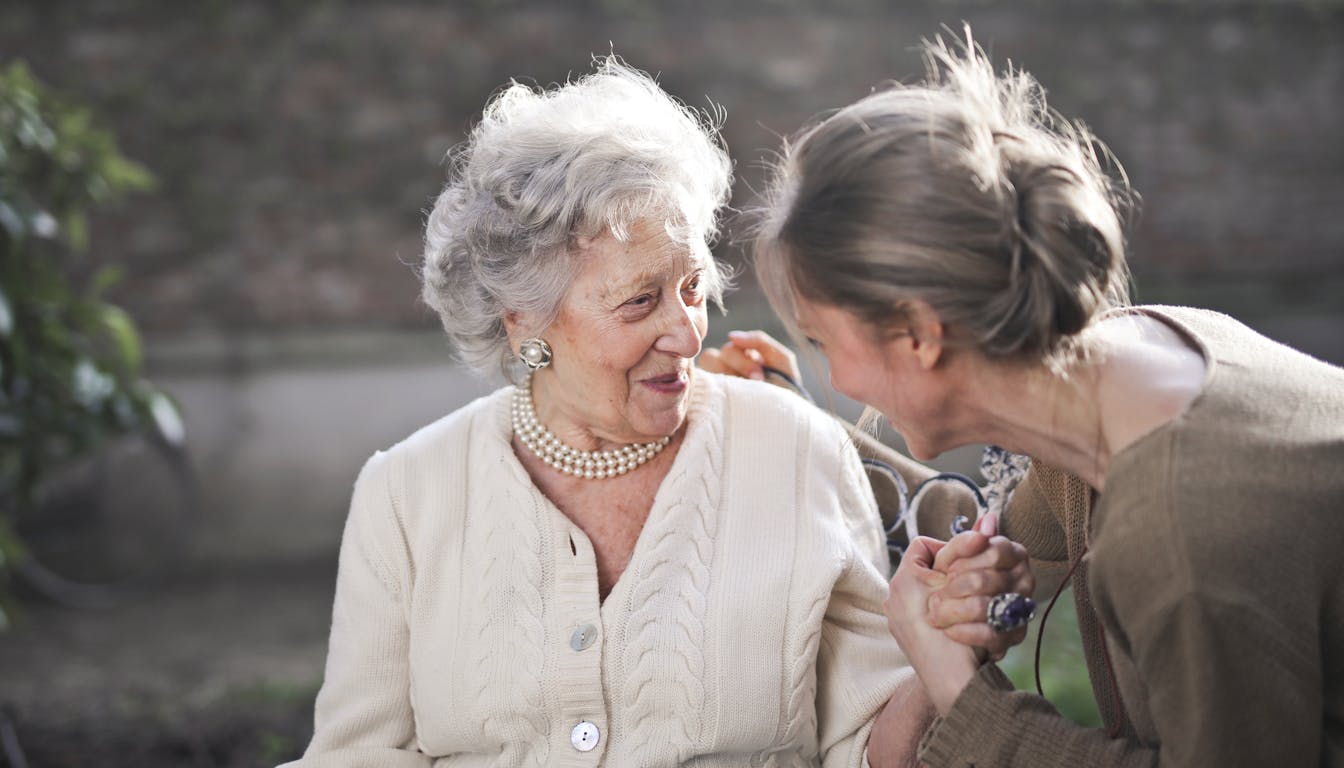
[
  {"x": 694, "y": 285},
  {"x": 815, "y": 344}
]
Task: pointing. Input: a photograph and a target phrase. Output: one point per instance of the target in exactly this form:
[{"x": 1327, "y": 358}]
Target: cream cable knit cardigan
[{"x": 747, "y": 629}]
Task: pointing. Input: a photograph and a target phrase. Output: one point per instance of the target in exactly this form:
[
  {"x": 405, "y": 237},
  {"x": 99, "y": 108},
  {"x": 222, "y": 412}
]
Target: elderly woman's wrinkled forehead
[{"x": 649, "y": 254}]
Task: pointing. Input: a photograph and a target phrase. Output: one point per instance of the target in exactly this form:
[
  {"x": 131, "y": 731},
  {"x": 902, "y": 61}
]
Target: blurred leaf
[
  {"x": 76, "y": 228},
  {"x": 6, "y": 315},
  {"x": 33, "y": 133},
  {"x": 168, "y": 419},
  {"x": 121, "y": 330},
  {"x": 125, "y": 410},
  {"x": 11, "y": 547},
  {"x": 44, "y": 225},
  {"x": 97, "y": 188},
  {"x": 105, "y": 278},
  {"x": 72, "y": 359},
  {"x": 91, "y": 385},
  {"x": 12, "y": 221},
  {"x": 123, "y": 174}
]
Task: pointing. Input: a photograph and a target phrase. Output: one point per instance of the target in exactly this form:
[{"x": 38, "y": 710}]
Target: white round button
[
  {"x": 584, "y": 736},
  {"x": 583, "y": 637}
]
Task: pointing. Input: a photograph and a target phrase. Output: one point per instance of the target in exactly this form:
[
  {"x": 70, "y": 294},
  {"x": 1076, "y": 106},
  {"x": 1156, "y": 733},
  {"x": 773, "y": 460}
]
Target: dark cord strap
[
  {"x": 793, "y": 383},
  {"x": 1112, "y": 730}
]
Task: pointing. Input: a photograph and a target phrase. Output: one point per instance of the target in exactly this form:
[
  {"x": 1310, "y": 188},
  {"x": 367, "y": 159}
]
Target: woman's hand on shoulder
[
  {"x": 979, "y": 564},
  {"x": 747, "y": 354}
]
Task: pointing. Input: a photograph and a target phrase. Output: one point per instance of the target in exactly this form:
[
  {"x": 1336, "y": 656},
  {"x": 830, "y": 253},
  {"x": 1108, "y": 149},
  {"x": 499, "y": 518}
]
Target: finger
[
  {"x": 735, "y": 357},
  {"x": 773, "y": 353},
  {"x": 710, "y": 361},
  {"x": 907, "y": 598},
  {"x": 930, "y": 578},
  {"x": 981, "y": 635},
  {"x": 985, "y": 582},
  {"x": 921, "y": 553},
  {"x": 1024, "y": 581},
  {"x": 945, "y": 612},
  {"x": 925, "y": 550},
  {"x": 965, "y": 545},
  {"x": 988, "y": 525},
  {"x": 998, "y": 552}
]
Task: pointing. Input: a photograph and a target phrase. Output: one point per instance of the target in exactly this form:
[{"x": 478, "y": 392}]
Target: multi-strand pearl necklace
[{"x": 572, "y": 461}]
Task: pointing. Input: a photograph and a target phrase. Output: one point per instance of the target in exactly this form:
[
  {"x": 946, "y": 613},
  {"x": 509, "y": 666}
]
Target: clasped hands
[{"x": 938, "y": 605}]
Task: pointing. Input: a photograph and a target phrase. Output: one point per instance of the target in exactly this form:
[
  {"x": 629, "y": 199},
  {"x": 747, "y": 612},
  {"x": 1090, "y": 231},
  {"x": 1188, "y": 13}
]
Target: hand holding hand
[
  {"x": 944, "y": 664},
  {"x": 978, "y": 565}
]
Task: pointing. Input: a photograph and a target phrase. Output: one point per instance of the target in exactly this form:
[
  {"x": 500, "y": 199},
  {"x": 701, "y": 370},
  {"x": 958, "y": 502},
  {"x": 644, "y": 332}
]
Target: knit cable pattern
[
  {"x": 665, "y": 655},
  {"x": 511, "y": 631}
]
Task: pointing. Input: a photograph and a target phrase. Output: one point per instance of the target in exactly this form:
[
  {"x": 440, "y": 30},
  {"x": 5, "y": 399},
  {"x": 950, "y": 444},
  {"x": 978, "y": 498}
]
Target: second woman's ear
[{"x": 926, "y": 333}]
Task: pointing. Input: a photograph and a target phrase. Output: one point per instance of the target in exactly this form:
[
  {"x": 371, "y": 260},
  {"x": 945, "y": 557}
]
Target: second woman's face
[
  {"x": 886, "y": 376},
  {"x": 625, "y": 340}
]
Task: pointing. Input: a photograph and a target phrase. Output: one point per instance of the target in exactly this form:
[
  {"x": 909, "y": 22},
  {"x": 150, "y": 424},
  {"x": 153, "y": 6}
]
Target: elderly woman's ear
[
  {"x": 512, "y": 329},
  {"x": 518, "y": 328}
]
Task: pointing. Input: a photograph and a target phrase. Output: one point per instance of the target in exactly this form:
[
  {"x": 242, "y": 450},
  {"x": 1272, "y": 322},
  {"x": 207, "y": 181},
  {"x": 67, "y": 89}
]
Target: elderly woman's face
[{"x": 625, "y": 340}]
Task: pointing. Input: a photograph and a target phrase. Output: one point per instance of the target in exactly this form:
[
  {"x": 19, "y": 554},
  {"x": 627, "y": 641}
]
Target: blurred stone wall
[{"x": 298, "y": 143}]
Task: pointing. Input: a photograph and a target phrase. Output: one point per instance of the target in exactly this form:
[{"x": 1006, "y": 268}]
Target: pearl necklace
[{"x": 571, "y": 461}]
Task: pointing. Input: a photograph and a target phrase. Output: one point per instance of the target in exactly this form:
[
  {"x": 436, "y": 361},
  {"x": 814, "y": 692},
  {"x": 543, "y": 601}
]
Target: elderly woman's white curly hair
[{"x": 546, "y": 168}]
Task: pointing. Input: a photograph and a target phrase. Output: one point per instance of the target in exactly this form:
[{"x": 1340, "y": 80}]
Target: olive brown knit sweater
[{"x": 1211, "y": 588}]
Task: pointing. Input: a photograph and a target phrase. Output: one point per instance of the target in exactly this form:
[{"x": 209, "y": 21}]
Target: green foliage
[
  {"x": 1063, "y": 666},
  {"x": 70, "y": 362}
]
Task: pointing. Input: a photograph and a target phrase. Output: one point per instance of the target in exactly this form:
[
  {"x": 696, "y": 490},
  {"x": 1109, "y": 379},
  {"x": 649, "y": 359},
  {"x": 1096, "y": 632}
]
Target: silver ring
[{"x": 1009, "y": 611}]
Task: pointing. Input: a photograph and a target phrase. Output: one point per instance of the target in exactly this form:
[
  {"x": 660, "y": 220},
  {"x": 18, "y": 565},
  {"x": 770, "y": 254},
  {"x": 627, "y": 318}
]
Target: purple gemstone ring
[{"x": 1009, "y": 611}]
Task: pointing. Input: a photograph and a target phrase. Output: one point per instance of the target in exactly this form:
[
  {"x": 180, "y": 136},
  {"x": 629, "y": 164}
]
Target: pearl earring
[{"x": 535, "y": 353}]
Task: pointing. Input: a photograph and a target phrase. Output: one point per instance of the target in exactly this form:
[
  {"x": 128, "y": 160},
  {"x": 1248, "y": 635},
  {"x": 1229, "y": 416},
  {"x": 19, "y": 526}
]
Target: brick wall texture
[{"x": 297, "y": 144}]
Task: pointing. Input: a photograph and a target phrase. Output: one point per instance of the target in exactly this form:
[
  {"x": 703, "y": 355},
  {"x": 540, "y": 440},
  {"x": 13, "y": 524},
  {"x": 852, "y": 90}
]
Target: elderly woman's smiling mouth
[{"x": 669, "y": 383}]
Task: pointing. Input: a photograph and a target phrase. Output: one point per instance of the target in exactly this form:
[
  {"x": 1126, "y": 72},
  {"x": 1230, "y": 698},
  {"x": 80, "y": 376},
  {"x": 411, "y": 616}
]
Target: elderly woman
[
  {"x": 619, "y": 560},
  {"x": 956, "y": 253}
]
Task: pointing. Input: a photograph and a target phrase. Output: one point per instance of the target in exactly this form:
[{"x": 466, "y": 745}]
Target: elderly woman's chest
[
  {"x": 703, "y": 644},
  {"x": 612, "y": 523}
]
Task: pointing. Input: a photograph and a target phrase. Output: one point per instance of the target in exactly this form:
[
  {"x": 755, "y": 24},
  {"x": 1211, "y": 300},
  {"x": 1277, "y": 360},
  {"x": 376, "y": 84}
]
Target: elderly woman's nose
[{"x": 681, "y": 331}]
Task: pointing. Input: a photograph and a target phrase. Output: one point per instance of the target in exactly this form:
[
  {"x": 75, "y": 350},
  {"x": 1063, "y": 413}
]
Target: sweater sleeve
[
  {"x": 1232, "y": 689},
  {"x": 990, "y": 724},
  {"x": 363, "y": 714},
  {"x": 1223, "y": 627},
  {"x": 859, "y": 664},
  {"x": 1229, "y": 681},
  {"x": 1032, "y": 520},
  {"x": 1227, "y": 698}
]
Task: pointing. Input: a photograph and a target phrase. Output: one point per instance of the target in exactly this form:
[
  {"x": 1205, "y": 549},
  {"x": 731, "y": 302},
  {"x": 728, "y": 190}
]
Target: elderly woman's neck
[{"x": 560, "y": 417}]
